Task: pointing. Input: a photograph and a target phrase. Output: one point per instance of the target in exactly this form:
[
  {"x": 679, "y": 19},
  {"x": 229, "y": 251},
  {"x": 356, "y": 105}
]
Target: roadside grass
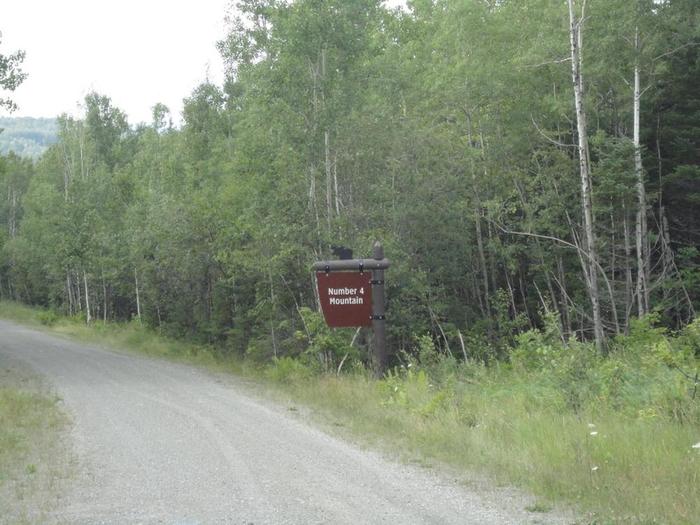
[
  {"x": 124, "y": 336},
  {"x": 613, "y": 438},
  {"x": 33, "y": 458},
  {"x": 20, "y": 313},
  {"x": 619, "y": 471}
]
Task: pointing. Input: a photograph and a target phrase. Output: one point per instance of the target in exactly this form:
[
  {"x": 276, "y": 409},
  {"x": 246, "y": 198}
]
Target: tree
[
  {"x": 459, "y": 133},
  {"x": 576, "y": 38},
  {"x": 11, "y": 75}
]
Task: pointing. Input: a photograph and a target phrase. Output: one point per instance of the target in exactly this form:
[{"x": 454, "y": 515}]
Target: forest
[
  {"x": 526, "y": 165},
  {"x": 26, "y": 136}
]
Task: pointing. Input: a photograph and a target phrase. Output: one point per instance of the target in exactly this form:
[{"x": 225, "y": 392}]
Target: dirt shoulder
[{"x": 35, "y": 457}]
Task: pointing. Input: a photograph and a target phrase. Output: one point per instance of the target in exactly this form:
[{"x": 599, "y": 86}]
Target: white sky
[{"x": 137, "y": 53}]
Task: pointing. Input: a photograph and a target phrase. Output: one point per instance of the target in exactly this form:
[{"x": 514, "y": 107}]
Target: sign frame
[{"x": 377, "y": 264}]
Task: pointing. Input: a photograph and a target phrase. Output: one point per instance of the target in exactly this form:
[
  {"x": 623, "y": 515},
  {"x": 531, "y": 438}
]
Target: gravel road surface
[{"x": 159, "y": 442}]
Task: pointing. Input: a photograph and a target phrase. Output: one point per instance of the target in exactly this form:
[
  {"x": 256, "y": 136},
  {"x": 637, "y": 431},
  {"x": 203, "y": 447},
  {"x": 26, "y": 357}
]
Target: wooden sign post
[{"x": 351, "y": 292}]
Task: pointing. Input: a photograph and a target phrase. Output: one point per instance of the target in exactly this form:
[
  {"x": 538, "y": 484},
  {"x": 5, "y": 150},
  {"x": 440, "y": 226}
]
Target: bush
[
  {"x": 47, "y": 317},
  {"x": 287, "y": 370}
]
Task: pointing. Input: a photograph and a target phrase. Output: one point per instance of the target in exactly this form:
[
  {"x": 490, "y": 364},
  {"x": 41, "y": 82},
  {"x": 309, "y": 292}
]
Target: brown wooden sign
[
  {"x": 352, "y": 294},
  {"x": 346, "y": 298}
]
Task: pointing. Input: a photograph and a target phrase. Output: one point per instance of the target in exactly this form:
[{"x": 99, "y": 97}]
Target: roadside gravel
[{"x": 159, "y": 442}]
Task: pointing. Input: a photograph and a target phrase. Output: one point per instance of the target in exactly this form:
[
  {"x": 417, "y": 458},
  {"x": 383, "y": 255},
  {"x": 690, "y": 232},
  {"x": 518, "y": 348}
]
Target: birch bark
[
  {"x": 576, "y": 41},
  {"x": 138, "y": 298},
  {"x": 642, "y": 288},
  {"x": 87, "y": 298}
]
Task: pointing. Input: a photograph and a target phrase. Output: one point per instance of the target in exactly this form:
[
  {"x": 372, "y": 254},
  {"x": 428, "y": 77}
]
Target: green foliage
[
  {"x": 443, "y": 131},
  {"x": 288, "y": 370},
  {"x": 11, "y": 75},
  {"x": 644, "y": 332},
  {"x": 615, "y": 426},
  {"x": 48, "y": 317},
  {"x": 688, "y": 340},
  {"x": 326, "y": 346},
  {"x": 537, "y": 349}
]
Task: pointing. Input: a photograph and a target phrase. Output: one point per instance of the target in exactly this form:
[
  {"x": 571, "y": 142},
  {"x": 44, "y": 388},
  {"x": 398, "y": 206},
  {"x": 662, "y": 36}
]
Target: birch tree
[{"x": 576, "y": 25}]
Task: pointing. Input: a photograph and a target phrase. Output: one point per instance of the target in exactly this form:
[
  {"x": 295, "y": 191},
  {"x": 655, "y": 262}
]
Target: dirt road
[{"x": 159, "y": 442}]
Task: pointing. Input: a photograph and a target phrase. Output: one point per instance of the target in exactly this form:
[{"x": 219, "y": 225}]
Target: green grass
[
  {"x": 19, "y": 312},
  {"x": 33, "y": 459},
  {"x": 612, "y": 438},
  {"x": 125, "y": 336},
  {"x": 631, "y": 471}
]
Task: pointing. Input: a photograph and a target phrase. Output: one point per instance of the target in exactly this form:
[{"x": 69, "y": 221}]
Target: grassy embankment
[
  {"x": 33, "y": 458},
  {"x": 616, "y": 437}
]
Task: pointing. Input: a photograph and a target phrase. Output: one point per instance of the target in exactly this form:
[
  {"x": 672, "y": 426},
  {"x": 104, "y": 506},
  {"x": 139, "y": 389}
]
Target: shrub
[
  {"x": 287, "y": 370},
  {"x": 47, "y": 317}
]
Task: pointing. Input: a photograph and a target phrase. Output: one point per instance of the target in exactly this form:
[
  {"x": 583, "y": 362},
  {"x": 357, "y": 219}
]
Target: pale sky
[{"x": 137, "y": 53}]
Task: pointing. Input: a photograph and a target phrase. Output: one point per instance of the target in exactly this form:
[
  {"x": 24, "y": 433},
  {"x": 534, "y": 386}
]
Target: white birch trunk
[
  {"x": 274, "y": 313},
  {"x": 138, "y": 298},
  {"x": 482, "y": 261},
  {"x": 329, "y": 187},
  {"x": 629, "y": 300},
  {"x": 104, "y": 298},
  {"x": 12, "y": 226},
  {"x": 642, "y": 288},
  {"x": 87, "y": 298},
  {"x": 576, "y": 40},
  {"x": 69, "y": 289},
  {"x": 335, "y": 185}
]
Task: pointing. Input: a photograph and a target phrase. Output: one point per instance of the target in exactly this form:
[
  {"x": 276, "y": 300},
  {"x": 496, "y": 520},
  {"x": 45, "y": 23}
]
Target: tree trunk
[
  {"x": 138, "y": 297},
  {"x": 12, "y": 219},
  {"x": 576, "y": 40},
  {"x": 329, "y": 177},
  {"x": 511, "y": 295},
  {"x": 477, "y": 292},
  {"x": 482, "y": 264},
  {"x": 629, "y": 300},
  {"x": 523, "y": 294},
  {"x": 641, "y": 220},
  {"x": 335, "y": 185},
  {"x": 77, "y": 291},
  {"x": 104, "y": 299},
  {"x": 69, "y": 290},
  {"x": 566, "y": 319},
  {"x": 87, "y": 298},
  {"x": 274, "y": 312},
  {"x": 666, "y": 244}
]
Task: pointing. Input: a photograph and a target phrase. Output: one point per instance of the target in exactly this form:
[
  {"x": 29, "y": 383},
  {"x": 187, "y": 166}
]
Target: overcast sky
[{"x": 136, "y": 52}]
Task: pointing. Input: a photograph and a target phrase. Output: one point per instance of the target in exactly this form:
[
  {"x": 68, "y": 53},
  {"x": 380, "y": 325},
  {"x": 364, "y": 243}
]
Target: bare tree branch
[
  {"x": 581, "y": 251},
  {"x": 547, "y": 63},
  {"x": 548, "y": 138},
  {"x": 672, "y": 51}
]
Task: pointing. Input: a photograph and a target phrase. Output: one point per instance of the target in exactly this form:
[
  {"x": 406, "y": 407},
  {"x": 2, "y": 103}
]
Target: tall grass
[
  {"x": 613, "y": 436},
  {"x": 620, "y": 469}
]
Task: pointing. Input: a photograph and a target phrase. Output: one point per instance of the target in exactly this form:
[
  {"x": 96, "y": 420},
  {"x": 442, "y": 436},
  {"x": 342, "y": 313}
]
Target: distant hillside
[{"x": 27, "y": 136}]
